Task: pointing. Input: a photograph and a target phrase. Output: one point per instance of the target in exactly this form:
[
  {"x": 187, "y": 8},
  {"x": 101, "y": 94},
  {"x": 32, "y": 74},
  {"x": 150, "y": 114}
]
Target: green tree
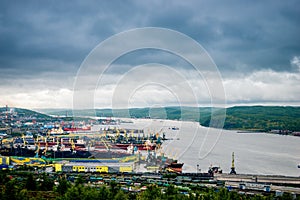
[
  {"x": 30, "y": 183},
  {"x": 104, "y": 193},
  {"x": 113, "y": 189},
  {"x": 80, "y": 192},
  {"x": 286, "y": 196},
  {"x": 74, "y": 193},
  {"x": 63, "y": 186},
  {"x": 171, "y": 190},
  {"x": 152, "y": 192},
  {"x": 79, "y": 180},
  {"x": 23, "y": 195},
  {"x": 10, "y": 190},
  {"x": 121, "y": 196},
  {"x": 3, "y": 177},
  {"x": 46, "y": 184}
]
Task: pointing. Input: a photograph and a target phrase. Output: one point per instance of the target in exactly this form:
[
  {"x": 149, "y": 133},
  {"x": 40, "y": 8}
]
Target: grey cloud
[
  {"x": 50, "y": 39},
  {"x": 250, "y": 33},
  {"x": 232, "y": 32}
]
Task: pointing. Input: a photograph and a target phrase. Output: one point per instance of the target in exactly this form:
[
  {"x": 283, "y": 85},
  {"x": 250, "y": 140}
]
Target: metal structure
[{"x": 232, "y": 165}]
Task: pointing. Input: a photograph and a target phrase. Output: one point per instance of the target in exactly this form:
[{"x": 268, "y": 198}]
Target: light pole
[{"x": 197, "y": 169}]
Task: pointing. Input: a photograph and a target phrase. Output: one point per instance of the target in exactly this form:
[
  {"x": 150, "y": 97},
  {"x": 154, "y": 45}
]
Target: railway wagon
[
  {"x": 80, "y": 168},
  {"x": 93, "y": 167},
  {"x": 96, "y": 169},
  {"x": 125, "y": 169},
  {"x": 67, "y": 168},
  {"x": 4, "y": 160}
]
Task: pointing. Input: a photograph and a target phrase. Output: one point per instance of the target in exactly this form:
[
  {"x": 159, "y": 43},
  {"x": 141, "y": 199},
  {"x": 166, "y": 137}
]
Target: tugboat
[
  {"x": 163, "y": 163},
  {"x": 174, "y": 167},
  {"x": 215, "y": 170}
]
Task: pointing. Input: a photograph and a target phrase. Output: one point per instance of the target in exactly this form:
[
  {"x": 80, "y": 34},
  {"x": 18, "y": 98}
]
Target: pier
[{"x": 259, "y": 182}]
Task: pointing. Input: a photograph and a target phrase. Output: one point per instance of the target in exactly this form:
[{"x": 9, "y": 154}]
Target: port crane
[{"x": 232, "y": 165}]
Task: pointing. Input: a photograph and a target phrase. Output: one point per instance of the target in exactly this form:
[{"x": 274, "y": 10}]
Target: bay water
[{"x": 255, "y": 153}]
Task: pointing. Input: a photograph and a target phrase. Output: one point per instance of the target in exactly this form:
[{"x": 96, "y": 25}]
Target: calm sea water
[{"x": 255, "y": 153}]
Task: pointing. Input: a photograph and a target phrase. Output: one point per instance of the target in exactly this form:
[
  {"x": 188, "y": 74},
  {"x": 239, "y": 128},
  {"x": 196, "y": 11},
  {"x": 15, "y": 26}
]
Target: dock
[{"x": 260, "y": 182}]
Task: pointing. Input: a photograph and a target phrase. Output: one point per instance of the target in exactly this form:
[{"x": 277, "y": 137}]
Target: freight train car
[
  {"x": 90, "y": 168},
  {"x": 4, "y": 160},
  {"x": 93, "y": 167}
]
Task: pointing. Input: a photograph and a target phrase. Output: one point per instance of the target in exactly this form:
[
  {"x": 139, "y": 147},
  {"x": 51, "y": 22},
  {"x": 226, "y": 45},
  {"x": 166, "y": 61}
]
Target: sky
[{"x": 255, "y": 46}]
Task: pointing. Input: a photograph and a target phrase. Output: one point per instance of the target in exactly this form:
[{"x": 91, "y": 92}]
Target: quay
[{"x": 260, "y": 182}]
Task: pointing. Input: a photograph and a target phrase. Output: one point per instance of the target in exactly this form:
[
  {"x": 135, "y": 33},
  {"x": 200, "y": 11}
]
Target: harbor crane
[{"x": 232, "y": 165}]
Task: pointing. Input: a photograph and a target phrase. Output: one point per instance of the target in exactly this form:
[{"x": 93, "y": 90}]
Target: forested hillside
[
  {"x": 261, "y": 118},
  {"x": 252, "y": 118}
]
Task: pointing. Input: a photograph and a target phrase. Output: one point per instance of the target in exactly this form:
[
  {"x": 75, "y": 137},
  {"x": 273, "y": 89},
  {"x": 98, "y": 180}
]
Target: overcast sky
[{"x": 254, "y": 44}]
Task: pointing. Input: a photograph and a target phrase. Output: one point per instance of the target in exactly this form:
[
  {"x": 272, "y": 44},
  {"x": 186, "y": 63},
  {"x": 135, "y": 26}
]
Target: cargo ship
[
  {"x": 58, "y": 148},
  {"x": 126, "y": 146},
  {"x": 141, "y": 147},
  {"x": 102, "y": 146},
  {"x": 77, "y": 129},
  {"x": 143, "y": 143}
]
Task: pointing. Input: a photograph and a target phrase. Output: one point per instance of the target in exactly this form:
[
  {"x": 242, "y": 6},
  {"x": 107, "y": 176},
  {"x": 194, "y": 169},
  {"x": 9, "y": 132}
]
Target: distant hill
[
  {"x": 27, "y": 113},
  {"x": 261, "y": 118},
  {"x": 173, "y": 113},
  {"x": 254, "y": 118}
]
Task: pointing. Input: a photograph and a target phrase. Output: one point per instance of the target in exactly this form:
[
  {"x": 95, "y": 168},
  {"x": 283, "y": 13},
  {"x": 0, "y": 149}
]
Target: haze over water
[{"x": 255, "y": 153}]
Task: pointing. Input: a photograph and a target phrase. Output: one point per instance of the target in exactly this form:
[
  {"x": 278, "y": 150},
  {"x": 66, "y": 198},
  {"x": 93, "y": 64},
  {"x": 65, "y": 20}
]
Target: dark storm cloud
[
  {"x": 256, "y": 34},
  {"x": 65, "y": 32}
]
